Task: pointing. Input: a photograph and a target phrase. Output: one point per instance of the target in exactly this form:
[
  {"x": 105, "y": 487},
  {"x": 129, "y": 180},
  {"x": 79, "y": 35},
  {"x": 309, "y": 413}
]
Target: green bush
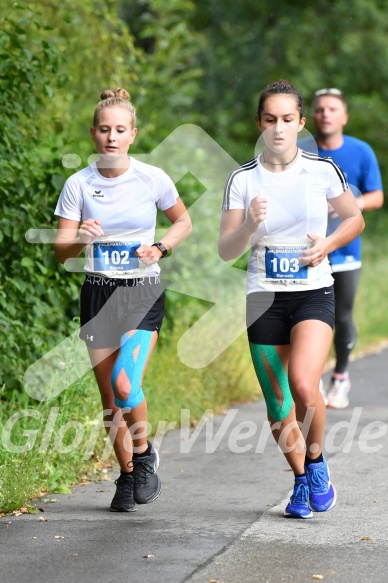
[
  {"x": 48, "y": 79},
  {"x": 32, "y": 299}
]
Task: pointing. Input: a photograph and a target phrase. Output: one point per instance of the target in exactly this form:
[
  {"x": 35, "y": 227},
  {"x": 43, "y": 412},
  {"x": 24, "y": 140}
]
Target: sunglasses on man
[{"x": 329, "y": 91}]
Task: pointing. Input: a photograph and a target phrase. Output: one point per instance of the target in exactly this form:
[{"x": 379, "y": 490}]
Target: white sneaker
[
  {"x": 322, "y": 390},
  {"x": 338, "y": 395}
]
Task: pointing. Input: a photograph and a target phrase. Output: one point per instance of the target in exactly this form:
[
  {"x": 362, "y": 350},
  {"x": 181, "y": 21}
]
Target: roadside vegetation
[{"x": 183, "y": 62}]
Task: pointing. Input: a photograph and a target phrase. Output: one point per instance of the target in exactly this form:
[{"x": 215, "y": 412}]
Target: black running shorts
[
  {"x": 271, "y": 316},
  {"x": 110, "y": 307}
]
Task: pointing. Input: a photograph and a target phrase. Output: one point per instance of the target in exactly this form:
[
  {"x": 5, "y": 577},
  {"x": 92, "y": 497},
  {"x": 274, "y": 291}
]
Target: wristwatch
[{"x": 165, "y": 252}]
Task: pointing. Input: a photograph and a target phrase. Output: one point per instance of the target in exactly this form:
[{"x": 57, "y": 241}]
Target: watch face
[{"x": 163, "y": 249}]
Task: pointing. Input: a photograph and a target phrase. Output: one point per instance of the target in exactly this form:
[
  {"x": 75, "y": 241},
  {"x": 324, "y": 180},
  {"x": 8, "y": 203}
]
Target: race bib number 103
[{"x": 282, "y": 263}]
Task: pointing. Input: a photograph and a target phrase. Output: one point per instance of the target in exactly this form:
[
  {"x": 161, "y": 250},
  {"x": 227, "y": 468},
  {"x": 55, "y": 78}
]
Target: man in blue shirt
[{"x": 358, "y": 161}]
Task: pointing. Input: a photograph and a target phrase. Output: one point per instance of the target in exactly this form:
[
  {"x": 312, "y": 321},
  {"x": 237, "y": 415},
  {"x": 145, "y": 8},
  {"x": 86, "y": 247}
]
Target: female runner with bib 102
[
  {"x": 109, "y": 209},
  {"x": 277, "y": 204}
]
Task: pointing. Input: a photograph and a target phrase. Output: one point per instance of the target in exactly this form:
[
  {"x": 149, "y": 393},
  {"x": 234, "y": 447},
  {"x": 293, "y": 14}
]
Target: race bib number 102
[
  {"x": 282, "y": 263},
  {"x": 115, "y": 256}
]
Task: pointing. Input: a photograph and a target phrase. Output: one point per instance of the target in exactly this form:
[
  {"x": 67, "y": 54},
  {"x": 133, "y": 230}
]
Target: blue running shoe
[
  {"x": 322, "y": 494},
  {"x": 298, "y": 506}
]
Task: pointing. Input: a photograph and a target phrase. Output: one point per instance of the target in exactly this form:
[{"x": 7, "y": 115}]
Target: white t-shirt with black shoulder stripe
[
  {"x": 127, "y": 208},
  {"x": 297, "y": 205}
]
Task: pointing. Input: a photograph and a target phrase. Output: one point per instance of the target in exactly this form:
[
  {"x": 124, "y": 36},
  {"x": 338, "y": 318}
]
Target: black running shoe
[
  {"x": 147, "y": 481},
  {"x": 123, "y": 500}
]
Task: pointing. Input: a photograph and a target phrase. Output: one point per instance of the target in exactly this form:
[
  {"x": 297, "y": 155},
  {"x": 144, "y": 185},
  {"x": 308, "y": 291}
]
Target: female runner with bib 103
[
  {"x": 109, "y": 209},
  {"x": 277, "y": 204}
]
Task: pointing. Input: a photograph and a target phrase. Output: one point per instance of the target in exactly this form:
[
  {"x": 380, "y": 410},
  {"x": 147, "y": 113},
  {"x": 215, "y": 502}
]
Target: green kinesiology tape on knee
[{"x": 258, "y": 351}]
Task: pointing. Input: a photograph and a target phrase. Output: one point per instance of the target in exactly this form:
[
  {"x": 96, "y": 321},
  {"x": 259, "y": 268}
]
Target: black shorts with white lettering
[
  {"x": 271, "y": 316},
  {"x": 110, "y": 307}
]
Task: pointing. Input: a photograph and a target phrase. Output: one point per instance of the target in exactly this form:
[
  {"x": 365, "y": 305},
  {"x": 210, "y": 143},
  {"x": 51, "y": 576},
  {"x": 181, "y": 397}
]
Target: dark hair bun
[
  {"x": 118, "y": 93},
  {"x": 282, "y": 84},
  {"x": 281, "y": 87}
]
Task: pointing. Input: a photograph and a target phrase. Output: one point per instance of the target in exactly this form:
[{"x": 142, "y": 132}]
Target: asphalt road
[{"x": 220, "y": 514}]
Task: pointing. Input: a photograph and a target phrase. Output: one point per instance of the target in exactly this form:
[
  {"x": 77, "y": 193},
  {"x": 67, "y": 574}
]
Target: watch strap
[{"x": 165, "y": 252}]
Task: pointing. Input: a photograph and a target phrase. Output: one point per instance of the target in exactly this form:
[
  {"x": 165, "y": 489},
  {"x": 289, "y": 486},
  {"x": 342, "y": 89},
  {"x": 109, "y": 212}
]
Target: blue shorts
[{"x": 273, "y": 327}]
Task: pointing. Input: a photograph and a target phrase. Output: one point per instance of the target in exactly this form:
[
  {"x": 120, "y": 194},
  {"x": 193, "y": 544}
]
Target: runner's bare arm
[
  {"x": 352, "y": 224},
  {"x": 180, "y": 229},
  {"x": 181, "y": 225},
  {"x": 369, "y": 201},
  {"x": 236, "y": 230},
  {"x": 72, "y": 239}
]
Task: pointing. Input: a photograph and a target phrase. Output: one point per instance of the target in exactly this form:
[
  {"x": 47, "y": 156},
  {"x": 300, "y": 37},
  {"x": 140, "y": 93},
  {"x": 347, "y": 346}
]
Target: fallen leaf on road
[
  {"x": 318, "y": 577},
  {"x": 42, "y": 519},
  {"x": 17, "y": 513},
  {"x": 366, "y": 538},
  {"x": 58, "y": 537},
  {"x": 214, "y": 581},
  {"x": 148, "y": 556},
  {"x": 23, "y": 509},
  {"x": 33, "y": 510}
]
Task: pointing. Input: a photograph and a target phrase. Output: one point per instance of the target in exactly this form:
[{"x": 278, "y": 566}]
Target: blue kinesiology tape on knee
[
  {"x": 277, "y": 412},
  {"x": 133, "y": 367}
]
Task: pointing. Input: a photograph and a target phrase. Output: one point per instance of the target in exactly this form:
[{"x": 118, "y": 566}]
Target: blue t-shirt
[{"x": 359, "y": 164}]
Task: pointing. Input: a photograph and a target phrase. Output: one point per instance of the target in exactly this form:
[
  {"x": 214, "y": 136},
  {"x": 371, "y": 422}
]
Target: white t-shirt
[
  {"x": 297, "y": 205},
  {"x": 127, "y": 208}
]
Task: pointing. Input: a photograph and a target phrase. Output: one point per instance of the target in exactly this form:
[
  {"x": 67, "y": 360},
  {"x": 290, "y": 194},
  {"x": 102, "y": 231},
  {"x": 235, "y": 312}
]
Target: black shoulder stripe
[
  {"x": 310, "y": 155},
  {"x": 247, "y": 166},
  {"x": 328, "y": 160}
]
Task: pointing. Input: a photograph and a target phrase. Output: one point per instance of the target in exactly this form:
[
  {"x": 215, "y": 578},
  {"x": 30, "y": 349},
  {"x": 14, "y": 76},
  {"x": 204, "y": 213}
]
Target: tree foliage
[
  {"x": 26, "y": 181},
  {"x": 170, "y": 76},
  {"x": 47, "y": 96},
  {"x": 183, "y": 62},
  {"x": 312, "y": 44}
]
